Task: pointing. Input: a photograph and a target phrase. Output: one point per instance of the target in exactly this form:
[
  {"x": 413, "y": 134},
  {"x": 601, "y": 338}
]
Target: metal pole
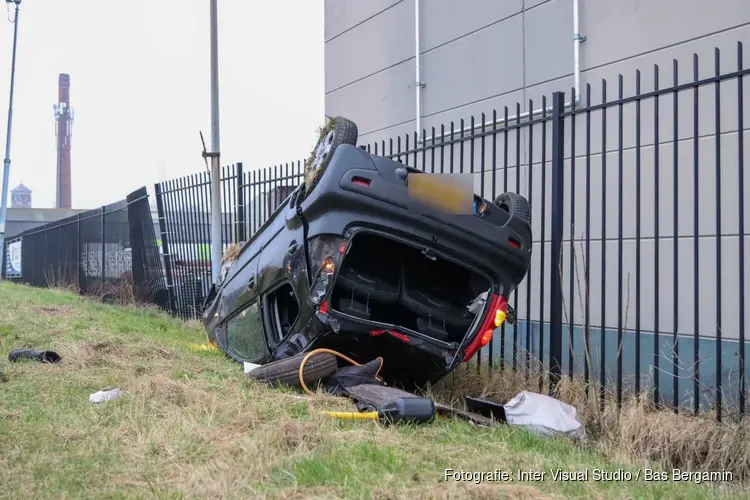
[
  {"x": 6, "y": 163},
  {"x": 216, "y": 243},
  {"x": 558, "y": 196},
  {"x": 418, "y": 84}
]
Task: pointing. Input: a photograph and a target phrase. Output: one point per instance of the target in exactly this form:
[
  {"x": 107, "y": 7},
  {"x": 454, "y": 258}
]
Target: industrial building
[{"x": 400, "y": 66}]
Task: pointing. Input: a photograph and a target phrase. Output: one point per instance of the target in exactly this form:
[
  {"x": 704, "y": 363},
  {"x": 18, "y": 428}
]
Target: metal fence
[
  {"x": 109, "y": 252},
  {"x": 183, "y": 205},
  {"x": 638, "y": 271}
]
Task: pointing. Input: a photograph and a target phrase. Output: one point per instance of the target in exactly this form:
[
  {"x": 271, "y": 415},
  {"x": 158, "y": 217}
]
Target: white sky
[{"x": 139, "y": 73}]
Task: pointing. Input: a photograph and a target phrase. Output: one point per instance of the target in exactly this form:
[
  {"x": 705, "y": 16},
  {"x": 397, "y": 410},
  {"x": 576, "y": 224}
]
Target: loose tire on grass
[
  {"x": 286, "y": 371},
  {"x": 515, "y": 204},
  {"x": 338, "y": 131}
]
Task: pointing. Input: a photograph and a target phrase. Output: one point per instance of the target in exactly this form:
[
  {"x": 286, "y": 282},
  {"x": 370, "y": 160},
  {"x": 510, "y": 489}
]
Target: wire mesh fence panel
[{"x": 92, "y": 252}]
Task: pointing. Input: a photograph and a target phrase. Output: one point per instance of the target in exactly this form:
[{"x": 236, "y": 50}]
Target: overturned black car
[{"x": 351, "y": 263}]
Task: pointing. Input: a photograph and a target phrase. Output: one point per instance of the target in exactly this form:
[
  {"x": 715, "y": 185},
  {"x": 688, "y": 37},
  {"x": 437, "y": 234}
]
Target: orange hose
[{"x": 338, "y": 354}]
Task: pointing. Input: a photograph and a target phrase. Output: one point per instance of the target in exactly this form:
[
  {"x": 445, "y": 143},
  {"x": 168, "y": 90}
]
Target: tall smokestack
[{"x": 64, "y": 132}]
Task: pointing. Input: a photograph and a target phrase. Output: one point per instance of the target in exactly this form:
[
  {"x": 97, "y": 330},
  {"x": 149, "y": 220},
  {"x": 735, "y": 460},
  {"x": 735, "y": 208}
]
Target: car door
[
  {"x": 240, "y": 288},
  {"x": 283, "y": 256}
]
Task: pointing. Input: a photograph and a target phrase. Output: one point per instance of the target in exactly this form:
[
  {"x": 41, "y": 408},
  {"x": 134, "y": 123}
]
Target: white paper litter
[
  {"x": 102, "y": 396},
  {"x": 544, "y": 414}
]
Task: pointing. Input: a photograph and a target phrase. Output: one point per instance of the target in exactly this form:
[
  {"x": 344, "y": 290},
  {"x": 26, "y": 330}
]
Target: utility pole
[
  {"x": 6, "y": 163},
  {"x": 216, "y": 243}
]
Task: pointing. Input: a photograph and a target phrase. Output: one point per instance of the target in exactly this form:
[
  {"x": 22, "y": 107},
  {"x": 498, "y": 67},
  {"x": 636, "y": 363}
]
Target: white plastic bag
[
  {"x": 102, "y": 396},
  {"x": 544, "y": 414}
]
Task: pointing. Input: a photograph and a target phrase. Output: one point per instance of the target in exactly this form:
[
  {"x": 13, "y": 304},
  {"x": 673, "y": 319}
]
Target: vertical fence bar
[
  {"x": 718, "y": 233},
  {"x": 531, "y": 204},
  {"x": 558, "y": 196},
  {"x": 741, "y": 223},
  {"x": 696, "y": 240},
  {"x": 603, "y": 327},
  {"x": 656, "y": 370},
  {"x": 493, "y": 195},
  {"x": 407, "y": 151},
  {"x": 505, "y": 188},
  {"x": 195, "y": 279},
  {"x": 240, "y": 205},
  {"x": 587, "y": 265},
  {"x": 620, "y": 318},
  {"x": 103, "y": 270},
  {"x": 173, "y": 229},
  {"x": 432, "y": 152},
  {"x": 204, "y": 183},
  {"x": 442, "y": 152},
  {"x": 518, "y": 190},
  {"x": 542, "y": 244},
  {"x": 460, "y": 149},
  {"x": 164, "y": 247},
  {"x": 471, "y": 145},
  {"x": 573, "y": 262},
  {"x": 637, "y": 234},
  {"x": 675, "y": 242},
  {"x": 252, "y": 213},
  {"x": 179, "y": 217},
  {"x": 481, "y": 191},
  {"x": 78, "y": 251}
]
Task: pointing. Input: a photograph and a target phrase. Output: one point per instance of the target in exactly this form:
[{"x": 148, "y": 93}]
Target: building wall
[
  {"x": 483, "y": 55},
  {"x": 480, "y": 55},
  {"x": 23, "y": 219}
]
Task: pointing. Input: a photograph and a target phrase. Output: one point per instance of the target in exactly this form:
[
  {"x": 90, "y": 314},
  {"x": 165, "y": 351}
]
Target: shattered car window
[{"x": 245, "y": 335}]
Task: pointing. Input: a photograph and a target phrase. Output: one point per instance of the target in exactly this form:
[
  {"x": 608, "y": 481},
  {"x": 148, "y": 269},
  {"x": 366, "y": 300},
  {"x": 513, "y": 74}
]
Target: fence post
[
  {"x": 44, "y": 269},
  {"x": 558, "y": 194},
  {"x": 104, "y": 235},
  {"x": 165, "y": 248},
  {"x": 239, "y": 208},
  {"x": 78, "y": 251}
]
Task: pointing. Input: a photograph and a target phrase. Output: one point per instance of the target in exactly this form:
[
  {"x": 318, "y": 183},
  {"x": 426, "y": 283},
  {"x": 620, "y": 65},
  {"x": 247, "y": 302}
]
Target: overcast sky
[{"x": 139, "y": 73}]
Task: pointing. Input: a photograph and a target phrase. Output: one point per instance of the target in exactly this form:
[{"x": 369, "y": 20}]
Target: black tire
[
  {"x": 286, "y": 371},
  {"x": 338, "y": 131},
  {"x": 514, "y": 204}
]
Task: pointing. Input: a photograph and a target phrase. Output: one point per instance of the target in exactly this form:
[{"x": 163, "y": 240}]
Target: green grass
[{"x": 192, "y": 426}]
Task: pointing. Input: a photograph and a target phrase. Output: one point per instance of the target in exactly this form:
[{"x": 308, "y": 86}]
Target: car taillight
[
  {"x": 322, "y": 281},
  {"x": 494, "y": 319}
]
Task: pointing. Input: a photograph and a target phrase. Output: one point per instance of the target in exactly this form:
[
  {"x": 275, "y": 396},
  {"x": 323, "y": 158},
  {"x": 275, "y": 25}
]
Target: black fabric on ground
[{"x": 351, "y": 376}]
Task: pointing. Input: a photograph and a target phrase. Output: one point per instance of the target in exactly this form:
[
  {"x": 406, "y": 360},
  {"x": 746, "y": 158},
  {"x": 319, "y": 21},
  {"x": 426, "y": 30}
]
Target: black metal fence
[
  {"x": 638, "y": 271},
  {"x": 109, "y": 252}
]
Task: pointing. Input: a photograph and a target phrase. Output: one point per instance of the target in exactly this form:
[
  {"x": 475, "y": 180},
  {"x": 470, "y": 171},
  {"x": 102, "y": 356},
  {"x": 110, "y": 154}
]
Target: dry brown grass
[
  {"x": 311, "y": 176},
  {"x": 191, "y": 425},
  {"x": 638, "y": 431}
]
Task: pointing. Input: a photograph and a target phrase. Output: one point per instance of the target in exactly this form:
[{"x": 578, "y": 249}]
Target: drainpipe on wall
[
  {"x": 418, "y": 83},
  {"x": 578, "y": 38}
]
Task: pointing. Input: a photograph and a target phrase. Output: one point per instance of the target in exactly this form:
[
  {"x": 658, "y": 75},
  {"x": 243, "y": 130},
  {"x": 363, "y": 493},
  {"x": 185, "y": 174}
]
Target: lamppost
[{"x": 6, "y": 163}]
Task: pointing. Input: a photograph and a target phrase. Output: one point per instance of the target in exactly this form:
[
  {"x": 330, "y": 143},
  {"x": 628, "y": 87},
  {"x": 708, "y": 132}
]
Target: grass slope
[{"x": 191, "y": 425}]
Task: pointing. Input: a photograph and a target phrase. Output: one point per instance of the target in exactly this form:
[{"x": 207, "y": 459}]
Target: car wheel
[
  {"x": 338, "y": 131},
  {"x": 286, "y": 371},
  {"x": 514, "y": 204}
]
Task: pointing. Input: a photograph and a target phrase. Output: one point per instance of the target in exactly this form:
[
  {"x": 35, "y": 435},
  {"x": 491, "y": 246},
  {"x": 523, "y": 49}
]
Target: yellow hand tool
[{"x": 402, "y": 410}]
